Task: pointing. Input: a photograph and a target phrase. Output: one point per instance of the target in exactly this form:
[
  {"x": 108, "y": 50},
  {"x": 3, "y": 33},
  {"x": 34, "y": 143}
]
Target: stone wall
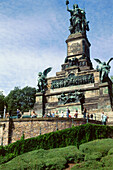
[{"x": 11, "y": 130}]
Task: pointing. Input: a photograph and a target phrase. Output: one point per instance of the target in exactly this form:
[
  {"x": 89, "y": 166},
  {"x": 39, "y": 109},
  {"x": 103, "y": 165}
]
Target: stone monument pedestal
[
  {"x": 76, "y": 76},
  {"x": 62, "y": 108}
]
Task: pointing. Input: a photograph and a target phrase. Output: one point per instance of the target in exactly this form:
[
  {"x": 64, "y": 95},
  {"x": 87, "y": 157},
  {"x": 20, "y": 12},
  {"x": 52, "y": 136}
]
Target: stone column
[{"x": 39, "y": 106}]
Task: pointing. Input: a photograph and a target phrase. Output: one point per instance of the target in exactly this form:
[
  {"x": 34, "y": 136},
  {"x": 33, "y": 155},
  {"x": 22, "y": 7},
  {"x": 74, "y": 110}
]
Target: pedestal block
[
  {"x": 77, "y": 74},
  {"x": 39, "y": 104}
]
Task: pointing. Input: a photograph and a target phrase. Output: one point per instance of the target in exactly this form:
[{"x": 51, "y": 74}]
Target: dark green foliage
[
  {"x": 72, "y": 136},
  {"x": 110, "y": 151},
  {"x": 6, "y": 158},
  {"x": 23, "y": 136},
  {"x": 102, "y": 146},
  {"x": 2, "y": 151},
  {"x": 94, "y": 156},
  {"x": 89, "y": 157},
  {"x": 1, "y": 104},
  {"x": 70, "y": 153},
  {"x": 108, "y": 161},
  {"x": 112, "y": 85},
  {"x": 89, "y": 165},
  {"x": 22, "y": 99},
  {"x": 43, "y": 159},
  {"x": 55, "y": 163},
  {"x": 112, "y": 78}
]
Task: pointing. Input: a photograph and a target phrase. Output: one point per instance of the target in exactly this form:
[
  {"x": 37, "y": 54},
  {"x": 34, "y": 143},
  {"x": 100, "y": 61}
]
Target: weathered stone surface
[
  {"x": 74, "y": 76},
  {"x": 11, "y": 130}
]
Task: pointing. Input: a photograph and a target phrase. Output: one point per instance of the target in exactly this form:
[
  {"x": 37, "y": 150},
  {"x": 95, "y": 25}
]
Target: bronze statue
[
  {"x": 78, "y": 21},
  {"x": 42, "y": 81},
  {"x": 103, "y": 68},
  {"x": 71, "y": 97}
]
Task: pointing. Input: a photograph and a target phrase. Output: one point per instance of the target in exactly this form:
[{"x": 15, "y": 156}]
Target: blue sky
[{"x": 33, "y": 34}]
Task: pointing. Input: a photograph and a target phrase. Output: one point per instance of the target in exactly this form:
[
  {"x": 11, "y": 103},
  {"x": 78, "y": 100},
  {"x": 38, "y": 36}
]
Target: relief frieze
[{"x": 72, "y": 80}]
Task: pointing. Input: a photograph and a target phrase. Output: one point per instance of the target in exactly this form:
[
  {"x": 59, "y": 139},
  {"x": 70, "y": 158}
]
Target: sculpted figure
[
  {"x": 78, "y": 21},
  {"x": 42, "y": 82},
  {"x": 103, "y": 68},
  {"x": 77, "y": 96},
  {"x": 62, "y": 98},
  {"x": 85, "y": 23}
]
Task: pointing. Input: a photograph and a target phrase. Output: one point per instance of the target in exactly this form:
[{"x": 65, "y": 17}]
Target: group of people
[
  {"x": 68, "y": 115},
  {"x": 86, "y": 114},
  {"x": 104, "y": 118},
  {"x": 49, "y": 114},
  {"x": 19, "y": 114}
]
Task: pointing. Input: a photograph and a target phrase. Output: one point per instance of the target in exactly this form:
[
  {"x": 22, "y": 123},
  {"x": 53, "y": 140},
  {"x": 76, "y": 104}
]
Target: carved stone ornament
[{"x": 75, "y": 48}]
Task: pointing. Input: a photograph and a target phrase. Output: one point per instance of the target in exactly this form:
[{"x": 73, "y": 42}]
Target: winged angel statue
[
  {"x": 42, "y": 81},
  {"x": 103, "y": 68}
]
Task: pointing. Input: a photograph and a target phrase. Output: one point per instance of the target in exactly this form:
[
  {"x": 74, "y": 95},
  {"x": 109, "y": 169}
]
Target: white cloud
[
  {"x": 102, "y": 49},
  {"x": 32, "y": 38}
]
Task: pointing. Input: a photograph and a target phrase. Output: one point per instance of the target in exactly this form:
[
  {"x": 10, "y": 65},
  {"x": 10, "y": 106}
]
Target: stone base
[
  {"x": 77, "y": 74},
  {"x": 39, "y": 105}
]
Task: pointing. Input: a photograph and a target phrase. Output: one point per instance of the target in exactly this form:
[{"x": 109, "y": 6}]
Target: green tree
[
  {"x": 112, "y": 86},
  {"x": 1, "y": 104},
  {"x": 22, "y": 99},
  {"x": 112, "y": 79}
]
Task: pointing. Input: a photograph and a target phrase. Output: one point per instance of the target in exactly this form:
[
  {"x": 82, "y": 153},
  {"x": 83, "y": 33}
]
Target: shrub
[
  {"x": 110, "y": 151},
  {"x": 102, "y": 146},
  {"x": 94, "y": 156},
  {"x": 55, "y": 163},
  {"x": 72, "y": 136},
  {"x": 2, "y": 151},
  {"x": 108, "y": 161},
  {"x": 43, "y": 159},
  {"x": 89, "y": 165},
  {"x": 89, "y": 156},
  {"x": 6, "y": 158},
  {"x": 70, "y": 153}
]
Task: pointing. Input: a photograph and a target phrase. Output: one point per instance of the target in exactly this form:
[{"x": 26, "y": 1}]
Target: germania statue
[{"x": 78, "y": 22}]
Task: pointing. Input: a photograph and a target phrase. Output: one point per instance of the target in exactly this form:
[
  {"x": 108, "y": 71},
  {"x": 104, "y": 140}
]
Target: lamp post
[{"x": 4, "y": 111}]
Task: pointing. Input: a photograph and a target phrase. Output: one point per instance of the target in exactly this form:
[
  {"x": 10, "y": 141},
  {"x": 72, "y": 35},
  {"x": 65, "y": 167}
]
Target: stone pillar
[
  {"x": 39, "y": 106},
  {"x": 104, "y": 103}
]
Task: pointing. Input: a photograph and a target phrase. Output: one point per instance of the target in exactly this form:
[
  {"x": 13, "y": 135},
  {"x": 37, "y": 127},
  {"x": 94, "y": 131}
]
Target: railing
[{"x": 96, "y": 116}]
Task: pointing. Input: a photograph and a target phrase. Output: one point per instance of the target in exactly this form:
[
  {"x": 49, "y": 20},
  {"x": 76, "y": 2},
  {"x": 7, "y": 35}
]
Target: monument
[{"x": 78, "y": 85}]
